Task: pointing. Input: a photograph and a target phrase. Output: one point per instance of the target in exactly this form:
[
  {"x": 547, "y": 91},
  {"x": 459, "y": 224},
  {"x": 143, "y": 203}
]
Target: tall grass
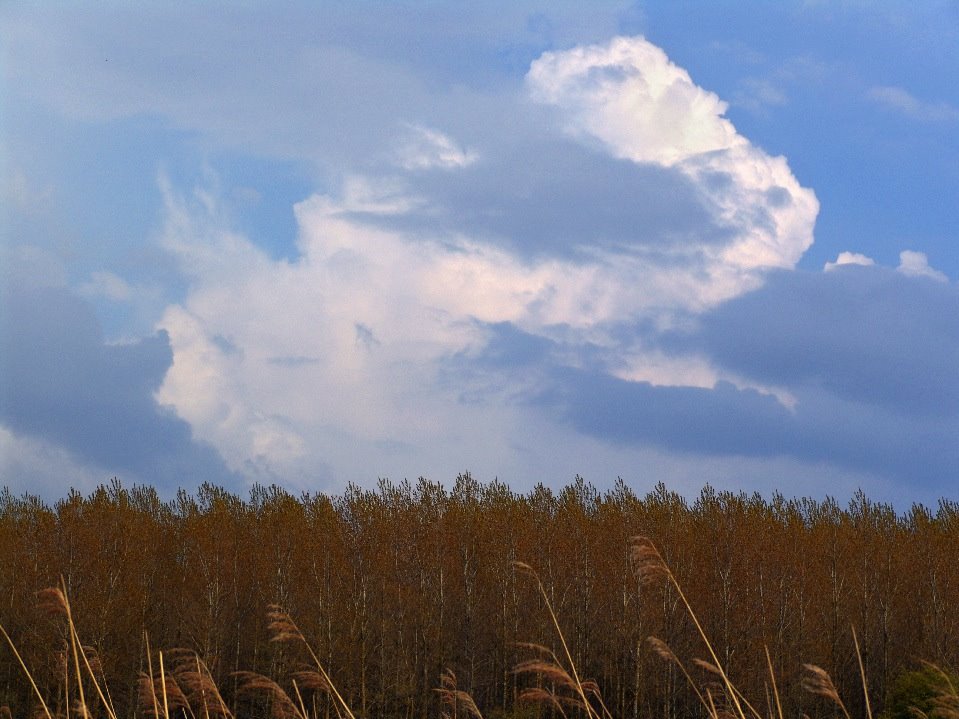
[{"x": 179, "y": 685}]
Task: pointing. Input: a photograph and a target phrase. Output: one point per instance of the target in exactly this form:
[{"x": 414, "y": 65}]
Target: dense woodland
[{"x": 393, "y": 585}]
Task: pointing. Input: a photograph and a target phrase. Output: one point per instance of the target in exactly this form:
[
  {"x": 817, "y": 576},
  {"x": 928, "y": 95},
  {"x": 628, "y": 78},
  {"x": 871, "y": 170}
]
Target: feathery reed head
[
  {"x": 147, "y": 697},
  {"x": 817, "y": 681},
  {"x": 452, "y": 697},
  {"x": 537, "y": 648},
  {"x": 53, "y": 601},
  {"x": 549, "y": 671},
  {"x": 538, "y": 695},
  {"x": 525, "y": 569},
  {"x": 650, "y": 565},
  {"x": 945, "y": 705},
  {"x": 281, "y": 705},
  {"x": 707, "y": 666},
  {"x": 662, "y": 649},
  {"x": 194, "y": 678},
  {"x": 93, "y": 659},
  {"x": 311, "y": 680},
  {"x": 282, "y": 627},
  {"x": 80, "y": 710}
]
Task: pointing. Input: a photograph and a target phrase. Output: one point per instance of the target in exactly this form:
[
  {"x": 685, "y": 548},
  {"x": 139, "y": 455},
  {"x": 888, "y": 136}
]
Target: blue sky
[{"x": 320, "y": 244}]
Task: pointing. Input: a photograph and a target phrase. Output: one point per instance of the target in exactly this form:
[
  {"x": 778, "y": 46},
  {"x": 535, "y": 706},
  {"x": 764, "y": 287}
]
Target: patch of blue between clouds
[{"x": 261, "y": 193}]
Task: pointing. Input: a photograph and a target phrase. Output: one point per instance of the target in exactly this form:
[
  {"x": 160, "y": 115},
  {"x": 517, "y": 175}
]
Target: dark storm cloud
[{"x": 61, "y": 383}]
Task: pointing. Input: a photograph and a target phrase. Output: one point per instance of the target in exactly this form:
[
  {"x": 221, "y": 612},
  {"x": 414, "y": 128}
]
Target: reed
[
  {"x": 568, "y": 690},
  {"x": 180, "y": 685}
]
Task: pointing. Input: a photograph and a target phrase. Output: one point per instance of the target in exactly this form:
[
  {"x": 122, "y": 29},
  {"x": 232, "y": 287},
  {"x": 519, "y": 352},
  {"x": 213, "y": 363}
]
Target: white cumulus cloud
[
  {"x": 916, "y": 264},
  {"x": 302, "y": 368},
  {"x": 628, "y": 95},
  {"x": 850, "y": 258}
]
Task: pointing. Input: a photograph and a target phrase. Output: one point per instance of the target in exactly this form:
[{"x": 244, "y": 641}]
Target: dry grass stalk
[
  {"x": 193, "y": 677},
  {"x": 538, "y": 695},
  {"x": 165, "y": 696},
  {"x": 651, "y": 567},
  {"x": 817, "y": 681},
  {"x": 662, "y": 649},
  {"x": 282, "y": 707},
  {"x": 311, "y": 681},
  {"x": 772, "y": 679},
  {"x": 26, "y": 671},
  {"x": 57, "y": 598},
  {"x": 565, "y": 676},
  {"x": 452, "y": 697},
  {"x": 54, "y": 600},
  {"x": 862, "y": 674},
  {"x": 299, "y": 698},
  {"x": 284, "y": 630},
  {"x": 152, "y": 685}
]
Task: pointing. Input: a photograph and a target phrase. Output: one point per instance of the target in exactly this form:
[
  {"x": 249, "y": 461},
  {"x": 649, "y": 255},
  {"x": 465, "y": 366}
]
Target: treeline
[{"x": 394, "y": 585}]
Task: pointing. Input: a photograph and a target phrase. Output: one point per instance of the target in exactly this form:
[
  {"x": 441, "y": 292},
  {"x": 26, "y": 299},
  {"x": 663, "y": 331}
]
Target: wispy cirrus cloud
[{"x": 900, "y": 100}]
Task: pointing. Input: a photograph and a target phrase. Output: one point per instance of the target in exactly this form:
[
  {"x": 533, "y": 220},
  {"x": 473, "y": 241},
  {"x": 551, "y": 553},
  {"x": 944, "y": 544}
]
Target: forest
[{"x": 394, "y": 586}]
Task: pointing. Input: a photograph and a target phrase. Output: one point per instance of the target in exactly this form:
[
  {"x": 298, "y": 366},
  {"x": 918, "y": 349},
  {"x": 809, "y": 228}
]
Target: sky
[{"x": 316, "y": 244}]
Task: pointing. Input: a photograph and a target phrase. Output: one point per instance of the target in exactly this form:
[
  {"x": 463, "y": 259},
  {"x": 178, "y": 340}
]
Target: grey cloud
[
  {"x": 726, "y": 421},
  {"x": 870, "y": 355},
  {"x": 557, "y": 197},
  {"x": 828, "y": 425},
  {"x": 320, "y": 80},
  {"x": 509, "y": 346},
  {"x": 61, "y": 383},
  {"x": 863, "y": 334},
  {"x": 293, "y": 362},
  {"x": 365, "y": 336}
]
